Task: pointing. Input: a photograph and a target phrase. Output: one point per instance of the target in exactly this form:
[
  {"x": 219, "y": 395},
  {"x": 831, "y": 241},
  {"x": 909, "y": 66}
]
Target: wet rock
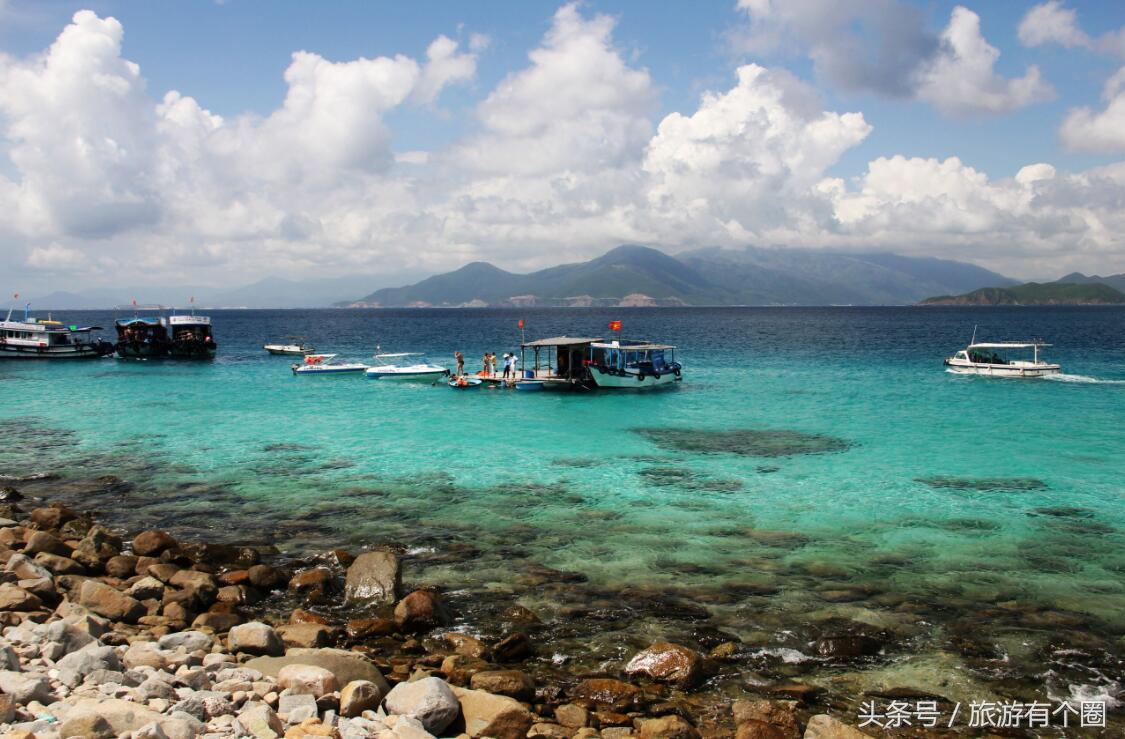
[
  {"x": 428, "y": 700},
  {"x": 59, "y": 565},
  {"x": 359, "y": 696},
  {"x": 572, "y": 716},
  {"x": 782, "y": 715},
  {"x": 459, "y": 669},
  {"x": 266, "y": 577},
  {"x": 513, "y": 648},
  {"x": 52, "y": 517},
  {"x": 518, "y": 614},
  {"x": 823, "y": 726},
  {"x": 307, "y": 679},
  {"x": 152, "y": 543},
  {"x": 13, "y": 598},
  {"x": 801, "y": 692},
  {"x": 608, "y": 693},
  {"x": 255, "y": 638},
  {"x": 667, "y": 727},
  {"x": 122, "y": 566},
  {"x": 668, "y": 663},
  {"x": 88, "y": 726},
  {"x": 754, "y": 729},
  {"x": 466, "y": 645},
  {"x": 420, "y": 611},
  {"x": 25, "y": 569},
  {"x": 365, "y": 628},
  {"x": 105, "y": 601},
  {"x": 307, "y": 635},
  {"x": 301, "y": 616},
  {"x": 512, "y": 683},
  {"x": 314, "y": 578},
  {"x": 97, "y": 547},
  {"x": 41, "y": 541},
  {"x": 487, "y": 715},
  {"x": 374, "y": 577},
  {"x": 848, "y": 647}
]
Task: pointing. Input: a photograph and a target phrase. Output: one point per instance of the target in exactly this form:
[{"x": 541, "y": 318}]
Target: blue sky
[{"x": 231, "y": 58}]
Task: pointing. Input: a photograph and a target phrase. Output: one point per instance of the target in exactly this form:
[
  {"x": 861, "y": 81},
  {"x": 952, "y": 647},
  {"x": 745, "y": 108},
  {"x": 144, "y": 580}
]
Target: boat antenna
[
  {"x": 974, "y": 339},
  {"x": 12, "y": 307}
]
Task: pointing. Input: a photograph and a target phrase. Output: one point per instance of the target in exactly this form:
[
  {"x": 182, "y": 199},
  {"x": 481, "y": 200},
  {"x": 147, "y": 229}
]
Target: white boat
[
  {"x": 982, "y": 359},
  {"x": 420, "y": 371},
  {"x": 322, "y": 364},
  {"x": 38, "y": 338},
  {"x": 635, "y": 365},
  {"x": 297, "y": 348}
]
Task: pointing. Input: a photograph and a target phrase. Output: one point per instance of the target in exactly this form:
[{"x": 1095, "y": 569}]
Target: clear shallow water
[{"x": 954, "y": 494}]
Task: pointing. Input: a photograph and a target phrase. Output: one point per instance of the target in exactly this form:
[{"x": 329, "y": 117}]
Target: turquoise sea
[{"x": 816, "y": 471}]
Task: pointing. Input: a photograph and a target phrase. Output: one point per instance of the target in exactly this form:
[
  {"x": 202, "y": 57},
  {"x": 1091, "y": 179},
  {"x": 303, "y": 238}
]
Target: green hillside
[{"x": 1035, "y": 293}]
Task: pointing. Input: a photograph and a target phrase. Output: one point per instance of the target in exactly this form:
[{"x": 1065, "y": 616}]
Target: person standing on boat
[{"x": 460, "y": 359}]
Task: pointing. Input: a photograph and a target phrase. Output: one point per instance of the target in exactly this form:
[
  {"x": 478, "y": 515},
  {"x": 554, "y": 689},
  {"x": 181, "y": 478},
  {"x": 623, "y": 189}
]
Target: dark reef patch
[
  {"x": 746, "y": 442},
  {"x": 983, "y": 484}
]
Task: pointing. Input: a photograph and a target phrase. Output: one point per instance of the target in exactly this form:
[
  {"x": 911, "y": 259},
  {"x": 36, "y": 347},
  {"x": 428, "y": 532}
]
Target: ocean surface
[{"x": 816, "y": 465}]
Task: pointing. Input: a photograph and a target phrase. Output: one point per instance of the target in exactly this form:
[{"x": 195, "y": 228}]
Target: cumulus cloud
[
  {"x": 1085, "y": 129},
  {"x": 1054, "y": 23},
  {"x": 961, "y": 79},
  {"x": 564, "y": 158},
  {"x": 578, "y": 104},
  {"x": 883, "y": 46}
]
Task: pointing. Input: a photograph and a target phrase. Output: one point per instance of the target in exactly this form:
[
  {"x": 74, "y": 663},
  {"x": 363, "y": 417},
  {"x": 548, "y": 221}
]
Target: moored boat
[
  {"x": 296, "y": 347},
  {"x": 143, "y": 336},
  {"x": 465, "y": 383},
  {"x": 191, "y": 337},
  {"x": 322, "y": 364},
  {"x": 421, "y": 371},
  {"x": 633, "y": 364},
  {"x": 983, "y": 359},
  {"x": 37, "y": 338}
]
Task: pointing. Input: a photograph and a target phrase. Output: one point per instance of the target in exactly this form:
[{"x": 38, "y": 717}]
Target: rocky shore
[{"x": 111, "y": 635}]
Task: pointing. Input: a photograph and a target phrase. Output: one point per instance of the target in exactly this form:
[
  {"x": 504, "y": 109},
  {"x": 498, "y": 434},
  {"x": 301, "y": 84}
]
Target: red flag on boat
[
  {"x": 134, "y": 302},
  {"x": 521, "y": 323},
  {"x": 615, "y": 325}
]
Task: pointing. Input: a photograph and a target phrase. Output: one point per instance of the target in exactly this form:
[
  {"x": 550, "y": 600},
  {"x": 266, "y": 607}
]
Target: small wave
[
  {"x": 786, "y": 655},
  {"x": 1083, "y": 379},
  {"x": 1097, "y": 693}
]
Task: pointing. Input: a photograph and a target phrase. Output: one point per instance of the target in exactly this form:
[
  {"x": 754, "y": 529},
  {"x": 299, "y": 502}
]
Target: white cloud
[
  {"x": 883, "y": 46},
  {"x": 564, "y": 161},
  {"x": 1085, "y": 129},
  {"x": 961, "y": 80},
  {"x": 578, "y": 105},
  {"x": 1053, "y": 23}
]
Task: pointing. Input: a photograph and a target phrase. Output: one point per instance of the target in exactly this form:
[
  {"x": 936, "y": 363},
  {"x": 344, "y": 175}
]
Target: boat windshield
[
  {"x": 625, "y": 357},
  {"x": 986, "y": 357}
]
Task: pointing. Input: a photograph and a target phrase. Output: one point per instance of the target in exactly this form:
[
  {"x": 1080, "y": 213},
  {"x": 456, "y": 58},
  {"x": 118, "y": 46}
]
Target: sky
[{"x": 218, "y": 143}]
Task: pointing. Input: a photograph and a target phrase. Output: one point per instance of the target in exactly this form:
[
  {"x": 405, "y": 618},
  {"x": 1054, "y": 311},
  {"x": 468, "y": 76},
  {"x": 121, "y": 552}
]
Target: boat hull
[
  {"x": 141, "y": 350},
  {"x": 310, "y": 370},
  {"x": 407, "y": 376},
  {"x": 83, "y": 351},
  {"x": 292, "y": 351},
  {"x": 1014, "y": 370},
  {"x": 630, "y": 380},
  {"x": 193, "y": 351}
]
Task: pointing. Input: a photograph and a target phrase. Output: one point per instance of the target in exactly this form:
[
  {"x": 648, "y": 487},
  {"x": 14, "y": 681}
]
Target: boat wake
[{"x": 1083, "y": 379}]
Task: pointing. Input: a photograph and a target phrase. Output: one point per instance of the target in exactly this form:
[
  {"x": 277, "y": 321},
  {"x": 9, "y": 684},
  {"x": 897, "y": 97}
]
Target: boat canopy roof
[
  {"x": 139, "y": 319},
  {"x": 563, "y": 341},
  {"x": 635, "y": 347},
  {"x": 1009, "y": 345}
]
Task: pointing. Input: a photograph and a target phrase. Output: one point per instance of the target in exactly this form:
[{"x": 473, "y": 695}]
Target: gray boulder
[
  {"x": 374, "y": 577},
  {"x": 191, "y": 641},
  {"x": 255, "y": 638},
  {"x": 25, "y": 687},
  {"x": 428, "y": 700},
  {"x": 90, "y": 658}
]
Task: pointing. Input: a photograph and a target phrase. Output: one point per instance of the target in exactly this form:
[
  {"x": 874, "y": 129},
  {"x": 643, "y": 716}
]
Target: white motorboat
[
  {"x": 421, "y": 371},
  {"x": 983, "y": 359},
  {"x": 39, "y": 338},
  {"x": 297, "y": 348},
  {"x": 322, "y": 364}
]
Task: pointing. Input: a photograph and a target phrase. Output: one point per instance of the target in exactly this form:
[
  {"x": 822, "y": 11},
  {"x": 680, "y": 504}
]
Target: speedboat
[
  {"x": 39, "y": 338},
  {"x": 298, "y": 348},
  {"x": 422, "y": 371},
  {"x": 322, "y": 364},
  {"x": 465, "y": 383},
  {"x": 982, "y": 359}
]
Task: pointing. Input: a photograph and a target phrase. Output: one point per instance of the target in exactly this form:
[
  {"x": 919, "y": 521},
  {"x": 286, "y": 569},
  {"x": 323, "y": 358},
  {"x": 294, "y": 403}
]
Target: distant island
[
  {"x": 633, "y": 275},
  {"x": 1035, "y": 293}
]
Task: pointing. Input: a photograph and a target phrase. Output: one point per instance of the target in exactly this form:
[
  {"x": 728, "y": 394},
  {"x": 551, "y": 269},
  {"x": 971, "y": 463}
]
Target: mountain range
[{"x": 634, "y": 275}]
